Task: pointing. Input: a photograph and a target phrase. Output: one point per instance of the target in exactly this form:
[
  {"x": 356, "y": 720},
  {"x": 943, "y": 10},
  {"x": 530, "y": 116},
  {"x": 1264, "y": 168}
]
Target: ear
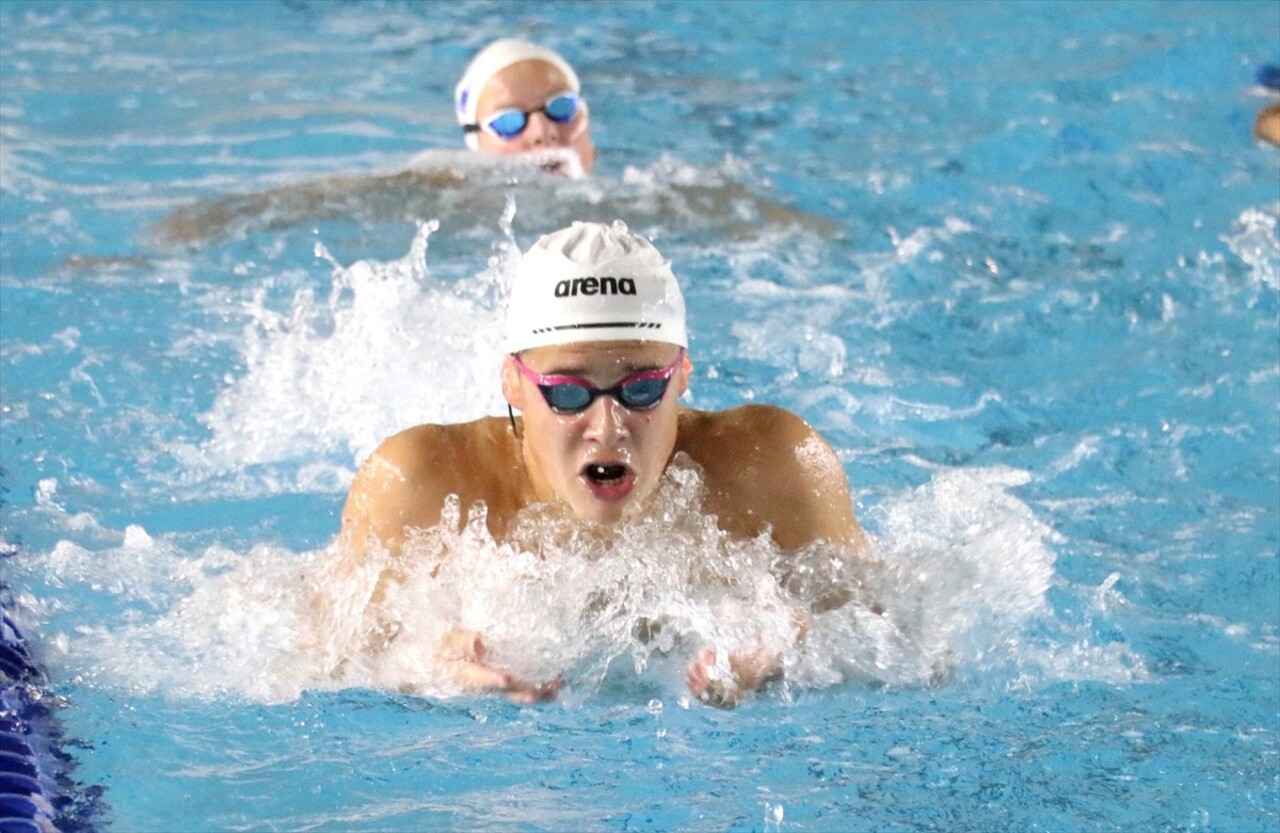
[
  {"x": 512, "y": 391},
  {"x": 686, "y": 370}
]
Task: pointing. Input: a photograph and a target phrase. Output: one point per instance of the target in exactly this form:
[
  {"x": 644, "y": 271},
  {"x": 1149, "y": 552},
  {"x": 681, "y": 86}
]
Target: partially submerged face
[
  {"x": 527, "y": 87},
  {"x": 605, "y": 460}
]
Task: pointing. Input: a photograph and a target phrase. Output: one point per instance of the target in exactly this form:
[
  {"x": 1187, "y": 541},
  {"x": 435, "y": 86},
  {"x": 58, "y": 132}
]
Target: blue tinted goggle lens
[
  {"x": 509, "y": 124},
  {"x": 562, "y": 108},
  {"x": 638, "y": 394}
]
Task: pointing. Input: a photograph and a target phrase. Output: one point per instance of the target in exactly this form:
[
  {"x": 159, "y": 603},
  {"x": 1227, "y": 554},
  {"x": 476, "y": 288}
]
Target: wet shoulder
[
  {"x": 755, "y": 427},
  {"x": 766, "y": 468},
  {"x": 751, "y": 459},
  {"x": 459, "y": 448},
  {"x": 744, "y": 443}
]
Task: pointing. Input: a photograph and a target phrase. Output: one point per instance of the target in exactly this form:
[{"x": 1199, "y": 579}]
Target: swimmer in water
[
  {"x": 597, "y": 359},
  {"x": 518, "y": 97},
  {"x": 520, "y": 108},
  {"x": 1266, "y": 127}
]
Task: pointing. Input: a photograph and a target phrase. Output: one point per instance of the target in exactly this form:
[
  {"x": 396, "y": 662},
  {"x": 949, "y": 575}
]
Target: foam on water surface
[{"x": 961, "y": 576}]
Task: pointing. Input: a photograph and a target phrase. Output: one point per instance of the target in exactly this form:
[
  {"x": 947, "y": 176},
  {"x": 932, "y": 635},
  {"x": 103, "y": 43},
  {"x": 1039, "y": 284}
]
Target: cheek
[
  {"x": 490, "y": 144},
  {"x": 586, "y": 151},
  {"x": 655, "y": 440},
  {"x": 583, "y": 147},
  {"x": 555, "y": 441}
]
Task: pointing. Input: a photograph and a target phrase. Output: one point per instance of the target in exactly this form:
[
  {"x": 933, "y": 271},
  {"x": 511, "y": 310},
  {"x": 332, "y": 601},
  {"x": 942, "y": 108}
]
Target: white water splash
[
  {"x": 389, "y": 347},
  {"x": 561, "y": 161},
  {"x": 1257, "y": 244},
  {"x": 960, "y": 583}
]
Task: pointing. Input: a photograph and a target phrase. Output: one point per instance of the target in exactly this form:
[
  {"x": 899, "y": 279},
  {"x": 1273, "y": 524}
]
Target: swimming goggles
[
  {"x": 572, "y": 395},
  {"x": 561, "y": 108}
]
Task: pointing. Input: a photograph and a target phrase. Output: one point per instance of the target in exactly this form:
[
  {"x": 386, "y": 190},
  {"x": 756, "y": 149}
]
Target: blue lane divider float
[{"x": 37, "y": 793}]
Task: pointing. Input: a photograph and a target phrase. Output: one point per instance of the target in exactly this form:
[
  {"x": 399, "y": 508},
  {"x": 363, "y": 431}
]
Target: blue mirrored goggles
[
  {"x": 561, "y": 108},
  {"x": 571, "y": 395}
]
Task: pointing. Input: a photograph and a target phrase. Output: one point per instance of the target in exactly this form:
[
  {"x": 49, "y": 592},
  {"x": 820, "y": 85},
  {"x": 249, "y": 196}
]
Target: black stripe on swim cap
[{"x": 637, "y": 325}]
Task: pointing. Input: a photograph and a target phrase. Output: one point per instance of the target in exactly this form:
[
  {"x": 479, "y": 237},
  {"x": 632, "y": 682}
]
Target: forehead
[
  {"x": 601, "y": 355},
  {"x": 527, "y": 83}
]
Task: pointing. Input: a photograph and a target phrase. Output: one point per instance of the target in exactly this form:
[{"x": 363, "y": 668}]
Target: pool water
[{"x": 1018, "y": 262}]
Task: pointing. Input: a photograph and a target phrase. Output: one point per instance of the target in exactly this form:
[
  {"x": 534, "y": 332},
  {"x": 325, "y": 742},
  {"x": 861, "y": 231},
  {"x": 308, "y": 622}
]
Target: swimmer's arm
[
  {"x": 789, "y": 477},
  {"x": 375, "y": 518},
  {"x": 403, "y": 486},
  {"x": 464, "y": 652},
  {"x": 767, "y": 469},
  {"x": 750, "y": 666}
]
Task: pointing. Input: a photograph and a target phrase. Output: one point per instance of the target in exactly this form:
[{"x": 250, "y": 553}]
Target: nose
[
  {"x": 606, "y": 421},
  {"x": 539, "y": 131}
]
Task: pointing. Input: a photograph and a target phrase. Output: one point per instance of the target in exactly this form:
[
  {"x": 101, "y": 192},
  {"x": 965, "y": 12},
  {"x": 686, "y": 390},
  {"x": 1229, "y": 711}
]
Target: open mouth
[
  {"x": 608, "y": 474},
  {"x": 608, "y": 481}
]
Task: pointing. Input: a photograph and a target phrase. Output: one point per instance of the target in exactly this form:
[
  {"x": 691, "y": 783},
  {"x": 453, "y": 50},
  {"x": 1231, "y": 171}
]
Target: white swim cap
[
  {"x": 493, "y": 59},
  {"x": 594, "y": 282}
]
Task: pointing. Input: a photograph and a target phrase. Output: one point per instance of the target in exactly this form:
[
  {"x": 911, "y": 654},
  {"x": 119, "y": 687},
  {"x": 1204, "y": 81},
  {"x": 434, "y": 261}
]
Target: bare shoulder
[
  {"x": 766, "y": 466},
  {"x": 425, "y": 447},
  {"x": 753, "y": 433},
  {"x": 405, "y": 481}
]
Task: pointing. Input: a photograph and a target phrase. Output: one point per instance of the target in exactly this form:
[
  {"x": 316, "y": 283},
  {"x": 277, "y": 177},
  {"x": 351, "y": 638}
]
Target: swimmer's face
[
  {"x": 526, "y": 86},
  {"x": 605, "y": 461}
]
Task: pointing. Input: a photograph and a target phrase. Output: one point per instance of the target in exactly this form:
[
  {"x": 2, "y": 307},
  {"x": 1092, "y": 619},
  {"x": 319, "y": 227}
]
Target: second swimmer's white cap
[
  {"x": 594, "y": 282},
  {"x": 493, "y": 59}
]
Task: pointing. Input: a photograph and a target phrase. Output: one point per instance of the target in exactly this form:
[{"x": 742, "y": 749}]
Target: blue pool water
[{"x": 1019, "y": 263}]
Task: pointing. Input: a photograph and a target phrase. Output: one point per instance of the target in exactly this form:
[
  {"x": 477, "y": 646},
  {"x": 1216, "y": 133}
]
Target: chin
[{"x": 608, "y": 515}]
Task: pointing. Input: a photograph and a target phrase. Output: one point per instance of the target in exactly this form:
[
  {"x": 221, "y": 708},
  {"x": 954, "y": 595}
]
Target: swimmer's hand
[
  {"x": 465, "y": 652},
  {"x": 748, "y": 669}
]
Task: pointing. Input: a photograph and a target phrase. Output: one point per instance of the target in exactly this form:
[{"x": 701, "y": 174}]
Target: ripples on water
[{"x": 1026, "y": 283}]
